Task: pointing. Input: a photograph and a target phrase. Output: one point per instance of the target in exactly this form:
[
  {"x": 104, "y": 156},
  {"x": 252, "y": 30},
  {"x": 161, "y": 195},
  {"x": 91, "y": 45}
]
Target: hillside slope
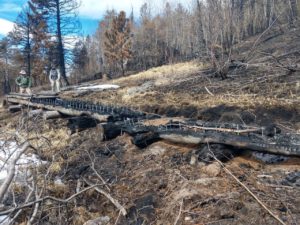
[
  {"x": 164, "y": 183},
  {"x": 259, "y": 90}
]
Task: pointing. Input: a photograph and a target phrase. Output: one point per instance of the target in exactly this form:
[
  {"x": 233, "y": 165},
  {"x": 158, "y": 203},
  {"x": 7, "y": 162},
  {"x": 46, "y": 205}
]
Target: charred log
[
  {"x": 207, "y": 153},
  {"x": 145, "y": 139},
  {"x": 110, "y": 131},
  {"x": 14, "y": 108},
  {"x": 251, "y": 142},
  {"x": 77, "y": 124}
]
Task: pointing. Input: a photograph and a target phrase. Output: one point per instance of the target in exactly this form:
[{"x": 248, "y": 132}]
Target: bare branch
[
  {"x": 247, "y": 189},
  {"x": 114, "y": 201},
  {"x": 12, "y": 169},
  {"x": 48, "y": 198}
]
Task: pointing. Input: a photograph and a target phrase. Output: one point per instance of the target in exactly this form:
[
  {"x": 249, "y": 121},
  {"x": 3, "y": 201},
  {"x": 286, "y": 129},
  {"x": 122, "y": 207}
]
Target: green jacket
[{"x": 23, "y": 81}]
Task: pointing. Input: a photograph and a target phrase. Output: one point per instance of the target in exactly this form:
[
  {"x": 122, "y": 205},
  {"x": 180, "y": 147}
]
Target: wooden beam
[{"x": 69, "y": 112}]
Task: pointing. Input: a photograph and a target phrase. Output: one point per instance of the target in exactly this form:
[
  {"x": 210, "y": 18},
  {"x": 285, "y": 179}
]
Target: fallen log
[
  {"x": 47, "y": 115},
  {"x": 77, "y": 124},
  {"x": 180, "y": 131},
  {"x": 242, "y": 142},
  {"x": 14, "y": 108},
  {"x": 198, "y": 125},
  {"x": 145, "y": 139},
  {"x": 110, "y": 131},
  {"x": 69, "y": 112},
  {"x": 34, "y": 113}
]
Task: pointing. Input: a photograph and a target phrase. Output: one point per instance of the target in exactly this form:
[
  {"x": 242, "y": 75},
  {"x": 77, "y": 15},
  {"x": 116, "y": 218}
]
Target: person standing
[
  {"x": 54, "y": 77},
  {"x": 24, "y": 82}
]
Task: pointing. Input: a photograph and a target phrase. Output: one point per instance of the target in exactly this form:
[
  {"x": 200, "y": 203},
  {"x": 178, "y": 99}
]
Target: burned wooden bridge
[{"x": 140, "y": 125}]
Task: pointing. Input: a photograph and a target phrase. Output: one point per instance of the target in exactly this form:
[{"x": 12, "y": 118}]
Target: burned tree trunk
[
  {"x": 220, "y": 66},
  {"x": 60, "y": 47}
]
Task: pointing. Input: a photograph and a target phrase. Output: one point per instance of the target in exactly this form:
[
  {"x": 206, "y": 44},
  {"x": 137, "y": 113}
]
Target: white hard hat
[{"x": 22, "y": 72}]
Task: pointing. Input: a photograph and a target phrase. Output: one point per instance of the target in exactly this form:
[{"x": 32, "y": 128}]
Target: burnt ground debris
[{"x": 153, "y": 182}]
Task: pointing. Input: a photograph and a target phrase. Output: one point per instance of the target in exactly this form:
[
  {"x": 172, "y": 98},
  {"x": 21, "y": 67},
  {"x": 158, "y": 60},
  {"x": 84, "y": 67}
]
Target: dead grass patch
[{"x": 163, "y": 74}]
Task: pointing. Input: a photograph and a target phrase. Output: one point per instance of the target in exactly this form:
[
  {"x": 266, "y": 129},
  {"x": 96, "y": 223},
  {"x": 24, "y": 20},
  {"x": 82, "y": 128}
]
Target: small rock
[
  {"x": 225, "y": 213},
  {"x": 58, "y": 182},
  {"x": 213, "y": 169},
  {"x": 156, "y": 150},
  {"x": 201, "y": 165},
  {"x": 206, "y": 181},
  {"x": 104, "y": 220},
  {"x": 292, "y": 179},
  {"x": 188, "y": 218},
  {"x": 193, "y": 160}
]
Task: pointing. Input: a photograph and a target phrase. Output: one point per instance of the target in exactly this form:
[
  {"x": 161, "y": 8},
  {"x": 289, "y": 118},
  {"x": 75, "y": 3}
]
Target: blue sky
[{"x": 90, "y": 11}]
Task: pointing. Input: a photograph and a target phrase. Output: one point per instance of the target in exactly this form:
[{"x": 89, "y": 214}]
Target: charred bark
[
  {"x": 14, "y": 108},
  {"x": 77, "y": 124},
  {"x": 145, "y": 139},
  {"x": 60, "y": 47},
  {"x": 250, "y": 142}
]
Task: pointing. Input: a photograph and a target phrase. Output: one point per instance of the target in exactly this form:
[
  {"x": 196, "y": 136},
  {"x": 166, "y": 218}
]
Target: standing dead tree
[
  {"x": 62, "y": 20},
  {"x": 4, "y": 53}
]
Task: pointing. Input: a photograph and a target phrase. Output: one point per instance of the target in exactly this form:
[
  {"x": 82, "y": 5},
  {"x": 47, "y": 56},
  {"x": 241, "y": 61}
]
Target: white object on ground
[
  {"x": 5, "y": 220},
  {"x": 100, "y": 86},
  {"x": 7, "y": 152}
]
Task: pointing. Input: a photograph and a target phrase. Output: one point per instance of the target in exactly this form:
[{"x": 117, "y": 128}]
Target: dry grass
[
  {"x": 81, "y": 215},
  {"x": 180, "y": 100},
  {"x": 163, "y": 74},
  {"x": 251, "y": 93}
]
